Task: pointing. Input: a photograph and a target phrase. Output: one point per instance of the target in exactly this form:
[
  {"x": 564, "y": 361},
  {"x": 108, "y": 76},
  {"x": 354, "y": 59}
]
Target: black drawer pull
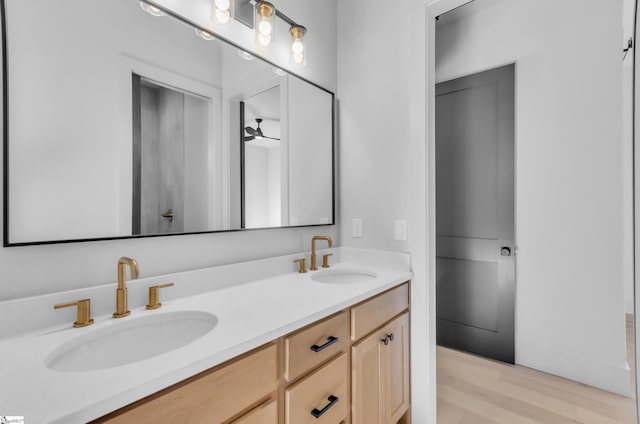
[
  {"x": 330, "y": 340},
  {"x": 318, "y": 412}
]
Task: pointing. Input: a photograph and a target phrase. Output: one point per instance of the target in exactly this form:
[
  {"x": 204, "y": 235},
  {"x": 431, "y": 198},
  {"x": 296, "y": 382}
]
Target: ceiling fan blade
[{"x": 252, "y": 131}]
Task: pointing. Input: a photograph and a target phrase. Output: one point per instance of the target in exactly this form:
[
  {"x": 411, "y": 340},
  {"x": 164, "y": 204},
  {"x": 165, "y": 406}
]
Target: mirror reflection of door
[
  {"x": 169, "y": 153},
  {"x": 261, "y": 156}
]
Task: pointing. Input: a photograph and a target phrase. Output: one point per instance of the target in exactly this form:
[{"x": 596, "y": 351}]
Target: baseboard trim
[{"x": 605, "y": 376}]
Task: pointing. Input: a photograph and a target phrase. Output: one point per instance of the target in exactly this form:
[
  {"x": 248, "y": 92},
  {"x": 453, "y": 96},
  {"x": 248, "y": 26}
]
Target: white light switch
[
  {"x": 356, "y": 227},
  {"x": 400, "y": 229}
]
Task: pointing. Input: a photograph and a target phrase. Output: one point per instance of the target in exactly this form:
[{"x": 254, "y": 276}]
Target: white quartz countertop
[{"x": 249, "y": 314}]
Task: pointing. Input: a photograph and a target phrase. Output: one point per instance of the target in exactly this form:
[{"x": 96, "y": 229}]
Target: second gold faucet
[
  {"x": 121, "y": 291},
  {"x": 314, "y": 267}
]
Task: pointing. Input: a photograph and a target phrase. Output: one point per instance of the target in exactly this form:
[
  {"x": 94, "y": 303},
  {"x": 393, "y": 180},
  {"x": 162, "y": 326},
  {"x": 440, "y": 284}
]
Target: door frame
[
  {"x": 635, "y": 166},
  {"x": 421, "y": 240}
]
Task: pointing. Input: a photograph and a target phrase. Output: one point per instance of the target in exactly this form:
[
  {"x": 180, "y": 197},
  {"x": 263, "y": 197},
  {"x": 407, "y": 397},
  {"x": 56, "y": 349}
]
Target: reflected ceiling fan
[{"x": 256, "y": 133}]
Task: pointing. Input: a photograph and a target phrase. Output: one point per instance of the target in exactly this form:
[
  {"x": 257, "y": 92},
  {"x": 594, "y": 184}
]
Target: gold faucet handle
[
  {"x": 84, "y": 311},
  {"x": 325, "y": 260},
  {"x": 303, "y": 265},
  {"x": 154, "y": 296}
]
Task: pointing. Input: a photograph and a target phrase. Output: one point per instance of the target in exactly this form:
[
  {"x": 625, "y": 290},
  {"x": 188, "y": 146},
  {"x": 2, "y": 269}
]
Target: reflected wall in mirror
[{"x": 121, "y": 124}]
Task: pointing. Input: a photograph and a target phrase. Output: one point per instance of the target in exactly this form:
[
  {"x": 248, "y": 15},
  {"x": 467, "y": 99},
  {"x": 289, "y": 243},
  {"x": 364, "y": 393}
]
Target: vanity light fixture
[
  {"x": 151, "y": 9},
  {"x": 264, "y": 24},
  {"x": 298, "y": 54},
  {"x": 264, "y": 29},
  {"x": 204, "y": 34},
  {"x": 222, "y": 11}
]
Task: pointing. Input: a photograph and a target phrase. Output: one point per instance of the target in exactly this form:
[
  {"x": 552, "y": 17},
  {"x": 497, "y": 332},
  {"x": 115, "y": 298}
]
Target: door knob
[
  {"x": 168, "y": 214},
  {"x": 505, "y": 251}
]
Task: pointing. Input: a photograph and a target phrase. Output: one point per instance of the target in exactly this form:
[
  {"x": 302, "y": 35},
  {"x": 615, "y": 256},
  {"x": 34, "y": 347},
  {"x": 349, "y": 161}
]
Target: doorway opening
[{"x": 170, "y": 153}]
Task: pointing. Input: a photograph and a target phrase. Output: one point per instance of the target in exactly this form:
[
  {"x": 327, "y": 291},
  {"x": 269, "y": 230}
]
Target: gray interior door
[{"x": 475, "y": 265}]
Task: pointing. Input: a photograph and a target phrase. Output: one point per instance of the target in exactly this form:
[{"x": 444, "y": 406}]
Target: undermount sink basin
[
  {"x": 343, "y": 276},
  {"x": 131, "y": 340}
]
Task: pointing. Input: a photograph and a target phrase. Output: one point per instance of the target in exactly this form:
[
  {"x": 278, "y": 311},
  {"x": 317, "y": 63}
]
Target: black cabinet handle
[
  {"x": 330, "y": 340},
  {"x": 385, "y": 340},
  {"x": 390, "y": 336},
  {"x": 318, "y": 412}
]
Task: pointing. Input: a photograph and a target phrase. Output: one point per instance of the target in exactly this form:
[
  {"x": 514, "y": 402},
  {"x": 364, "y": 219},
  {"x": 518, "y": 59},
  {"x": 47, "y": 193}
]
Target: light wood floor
[{"x": 474, "y": 390}]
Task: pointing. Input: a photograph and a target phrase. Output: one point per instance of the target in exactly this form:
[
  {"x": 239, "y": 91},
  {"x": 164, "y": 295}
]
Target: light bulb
[
  {"x": 222, "y": 16},
  {"x": 265, "y": 27},
  {"x": 298, "y": 51},
  {"x": 264, "y": 40},
  {"x": 221, "y": 11},
  {"x": 223, "y": 5},
  {"x": 264, "y": 20},
  {"x": 297, "y": 47}
]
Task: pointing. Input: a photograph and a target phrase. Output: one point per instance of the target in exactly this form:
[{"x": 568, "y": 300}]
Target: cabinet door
[
  {"x": 395, "y": 358},
  {"x": 380, "y": 374},
  {"x": 366, "y": 381}
]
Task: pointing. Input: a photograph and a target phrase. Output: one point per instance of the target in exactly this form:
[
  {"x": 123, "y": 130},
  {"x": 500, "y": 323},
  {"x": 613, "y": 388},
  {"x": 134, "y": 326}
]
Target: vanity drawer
[
  {"x": 373, "y": 313},
  {"x": 213, "y": 396},
  {"x": 322, "y": 394},
  {"x": 308, "y": 348}
]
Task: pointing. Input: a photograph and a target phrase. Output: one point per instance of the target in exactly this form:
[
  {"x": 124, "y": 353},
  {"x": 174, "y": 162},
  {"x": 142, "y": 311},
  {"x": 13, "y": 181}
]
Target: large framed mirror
[{"x": 133, "y": 125}]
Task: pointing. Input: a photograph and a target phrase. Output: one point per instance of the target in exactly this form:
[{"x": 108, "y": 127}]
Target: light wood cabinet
[
  {"x": 380, "y": 374},
  {"x": 352, "y": 367},
  {"x": 311, "y": 346},
  {"x": 267, "y": 413},
  {"x": 371, "y": 314},
  {"x": 321, "y": 397},
  {"x": 214, "y": 396},
  {"x": 380, "y": 371}
]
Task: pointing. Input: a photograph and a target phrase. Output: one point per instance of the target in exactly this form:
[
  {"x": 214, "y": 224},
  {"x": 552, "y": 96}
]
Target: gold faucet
[
  {"x": 121, "y": 291},
  {"x": 313, "y": 250}
]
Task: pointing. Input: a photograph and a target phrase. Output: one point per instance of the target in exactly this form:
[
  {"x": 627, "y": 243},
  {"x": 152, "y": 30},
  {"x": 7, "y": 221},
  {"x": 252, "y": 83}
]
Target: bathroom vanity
[
  {"x": 329, "y": 346},
  {"x": 313, "y": 385}
]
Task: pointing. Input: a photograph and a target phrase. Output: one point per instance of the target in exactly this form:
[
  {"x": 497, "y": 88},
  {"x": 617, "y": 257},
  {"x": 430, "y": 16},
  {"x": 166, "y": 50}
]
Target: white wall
[
  {"x": 33, "y": 270},
  {"x": 569, "y": 179},
  {"x": 382, "y": 143}
]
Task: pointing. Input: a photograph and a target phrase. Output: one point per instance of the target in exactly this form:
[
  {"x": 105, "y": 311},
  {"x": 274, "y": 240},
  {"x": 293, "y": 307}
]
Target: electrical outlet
[
  {"x": 400, "y": 229},
  {"x": 356, "y": 227}
]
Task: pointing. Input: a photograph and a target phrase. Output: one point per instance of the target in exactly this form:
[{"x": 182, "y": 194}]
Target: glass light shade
[
  {"x": 151, "y": 9},
  {"x": 221, "y": 11},
  {"x": 264, "y": 24},
  {"x": 298, "y": 53}
]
